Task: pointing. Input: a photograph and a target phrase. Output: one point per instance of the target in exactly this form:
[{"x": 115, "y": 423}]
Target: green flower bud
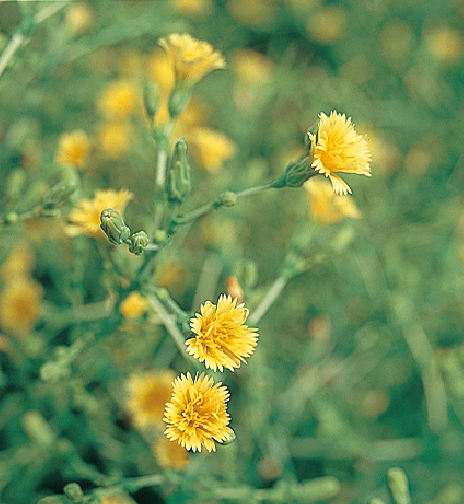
[
  {"x": 179, "y": 100},
  {"x": 150, "y": 99},
  {"x": 60, "y": 192},
  {"x": 112, "y": 224},
  {"x": 178, "y": 177},
  {"x": 15, "y": 184},
  {"x": 160, "y": 236},
  {"x": 138, "y": 242},
  {"x": 73, "y": 491},
  {"x": 226, "y": 199}
]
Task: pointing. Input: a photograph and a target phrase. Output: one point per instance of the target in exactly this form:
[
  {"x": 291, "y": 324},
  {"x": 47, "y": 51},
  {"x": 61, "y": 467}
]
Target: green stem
[{"x": 272, "y": 294}]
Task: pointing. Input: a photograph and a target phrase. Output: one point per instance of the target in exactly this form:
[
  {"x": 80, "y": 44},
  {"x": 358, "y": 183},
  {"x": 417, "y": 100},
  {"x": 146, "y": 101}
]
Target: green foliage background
[{"x": 386, "y": 290}]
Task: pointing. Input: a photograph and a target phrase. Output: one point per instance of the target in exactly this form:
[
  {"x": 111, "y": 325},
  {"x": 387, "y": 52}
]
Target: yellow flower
[
  {"x": 19, "y": 309},
  {"x": 85, "y": 218},
  {"x": 119, "y": 99},
  {"x": 338, "y": 148},
  {"x": 170, "y": 455},
  {"x": 148, "y": 393},
  {"x": 211, "y": 148},
  {"x": 73, "y": 148},
  {"x": 18, "y": 264},
  {"x": 194, "y": 6},
  {"x": 251, "y": 67},
  {"x": 190, "y": 57},
  {"x": 222, "y": 339},
  {"x": 114, "y": 138},
  {"x": 327, "y": 207},
  {"x": 197, "y": 415},
  {"x": 134, "y": 305}
]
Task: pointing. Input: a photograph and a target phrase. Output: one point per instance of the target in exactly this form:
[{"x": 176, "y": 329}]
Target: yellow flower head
[
  {"x": 134, "y": 305},
  {"x": 222, "y": 339},
  {"x": 190, "y": 57},
  {"x": 148, "y": 393},
  {"x": 73, "y": 148},
  {"x": 119, "y": 99},
  {"x": 85, "y": 218},
  {"x": 19, "y": 309},
  {"x": 338, "y": 148},
  {"x": 114, "y": 138},
  {"x": 170, "y": 455},
  {"x": 18, "y": 264},
  {"x": 197, "y": 414},
  {"x": 327, "y": 207},
  {"x": 211, "y": 148}
]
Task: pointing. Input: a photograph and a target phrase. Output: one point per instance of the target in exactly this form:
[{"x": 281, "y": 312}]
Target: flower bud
[
  {"x": 73, "y": 491},
  {"x": 61, "y": 191},
  {"x": 178, "y": 179},
  {"x": 226, "y": 199},
  {"x": 296, "y": 174},
  {"x": 179, "y": 99},
  {"x": 150, "y": 99},
  {"x": 112, "y": 224},
  {"x": 138, "y": 242}
]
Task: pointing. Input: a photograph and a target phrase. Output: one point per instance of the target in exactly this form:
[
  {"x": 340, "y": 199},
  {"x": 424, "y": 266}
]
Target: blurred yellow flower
[
  {"x": 211, "y": 148},
  {"x": 444, "y": 43},
  {"x": 170, "y": 455},
  {"x": 327, "y": 207},
  {"x": 193, "y": 6},
  {"x": 252, "y": 67},
  {"x": 222, "y": 339},
  {"x": 148, "y": 393},
  {"x": 119, "y": 99},
  {"x": 114, "y": 138},
  {"x": 73, "y": 148},
  {"x": 338, "y": 148},
  {"x": 135, "y": 305},
  {"x": 197, "y": 414},
  {"x": 190, "y": 57},
  {"x": 85, "y": 218},
  {"x": 327, "y": 25},
  {"x": 19, "y": 309},
  {"x": 19, "y": 263},
  {"x": 79, "y": 18},
  {"x": 162, "y": 73}
]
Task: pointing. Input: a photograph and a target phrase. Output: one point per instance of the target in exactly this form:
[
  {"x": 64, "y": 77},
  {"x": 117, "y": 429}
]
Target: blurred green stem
[
  {"x": 272, "y": 294},
  {"x": 19, "y": 39}
]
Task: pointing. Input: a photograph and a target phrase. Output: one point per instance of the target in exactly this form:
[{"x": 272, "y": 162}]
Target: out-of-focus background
[{"x": 360, "y": 362}]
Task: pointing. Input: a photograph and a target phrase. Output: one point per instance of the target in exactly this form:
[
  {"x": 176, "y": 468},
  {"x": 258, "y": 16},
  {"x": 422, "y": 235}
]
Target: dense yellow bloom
[
  {"x": 85, "y": 218},
  {"x": 211, "y": 148},
  {"x": 338, "y": 148},
  {"x": 171, "y": 455},
  {"x": 134, "y": 305},
  {"x": 222, "y": 339},
  {"x": 190, "y": 57},
  {"x": 148, "y": 393},
  {"x": 119, "y": 99},
  {"x": 73, "y": 148},
  {"x": 197, "y": 414},
  {"x": 327, "y": 207},
  {"x": 19, "y": 308}
]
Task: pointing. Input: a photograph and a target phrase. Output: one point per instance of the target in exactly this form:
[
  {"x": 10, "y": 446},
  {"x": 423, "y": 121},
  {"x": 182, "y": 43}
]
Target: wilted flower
[
  {"x": 148, "y": 393},
  {"x": 85, "y": 218},
  {"x": 327, "y": 207},
  {"x": 197, "y": 415},
  {"x": 222, "y": 339},
  {"x": 73, "y": 148},
  {"x": 338, "y": 148},
  {"x": 19, "y": 309},
  {"x": 190, "y": 57}
]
